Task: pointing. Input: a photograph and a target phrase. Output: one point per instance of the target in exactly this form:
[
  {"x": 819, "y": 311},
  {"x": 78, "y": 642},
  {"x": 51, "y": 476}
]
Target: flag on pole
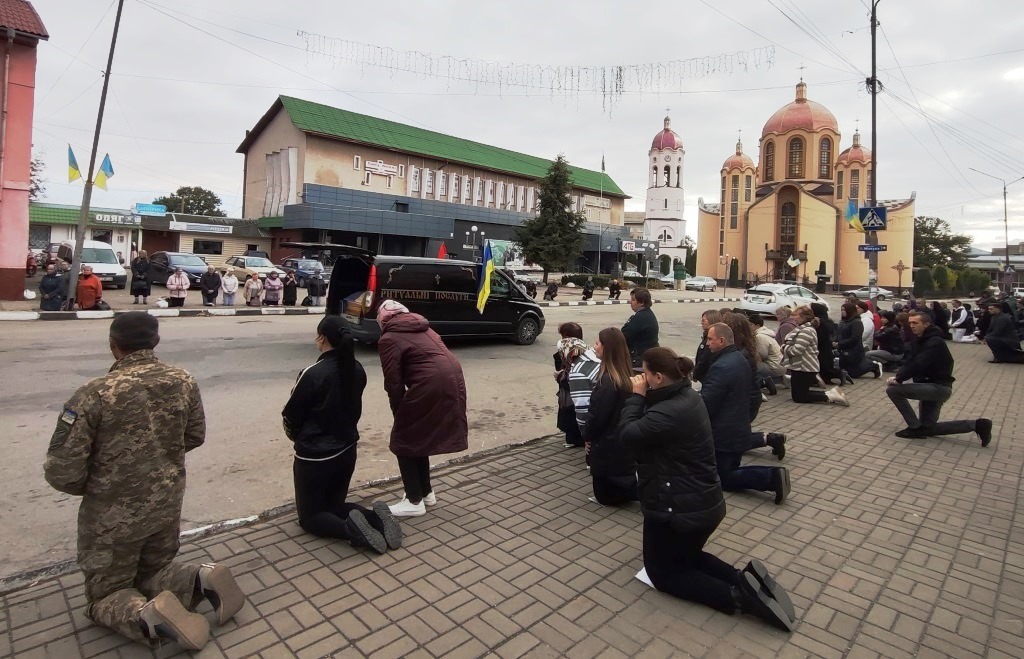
[
  {"x": 106, "y": 172},
  {"x": 793, "y": 261},
  {"x": 486, "y": 268},
  {"x": 853, "y": 215},
  {"x": 442, "y": 252},
  {"x": 73, "y": 172}
]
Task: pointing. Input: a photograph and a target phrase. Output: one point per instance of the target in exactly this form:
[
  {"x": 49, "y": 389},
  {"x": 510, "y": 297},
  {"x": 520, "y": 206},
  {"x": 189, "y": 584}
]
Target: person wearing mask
[
  {"x": 316, "y": 289},
  {"x": 177, "y": 288},
  {"x": 228, "y": 287},
  {"x": 850, "y": 343},
  {"x": 786, "y": 323},
  {"x": 1002, "y": 338},
  {"x": 253, "y": 291},
  {"x": 427, "y": 391},
  {"x": 53, "y": 290},
  {"x": 272, "y": 288},
  {"x": 120, "y": 445},
  {"x": 551, "y": 292},
  {"x": 291, "y": 289},
  {"x": 927, "y": 377},
  {"x": 667, "y": 426},
  {"x": 961, "y": 322},
  {"x": 890, "y": 343},
  {"x": 800, "y": 356},
  {"x": 569, "y": 348},
  {"x": 826, "y": 331},
  {"x": 90, "y": 289},
  {"x": 209, "y": 284},
  {"x": 641, "y": 330},
  {"x": 769, "y": 368},
  {"x": 321, "y": 419},
  {"x": 726, "y": 392},
  {"x": 588, "y": 288},
  {"x": 702, "y": 361},
  {"x": 612, "y": 466},
  {"x": 614, "y": 289},
  {"x": 141, "y": 285}
]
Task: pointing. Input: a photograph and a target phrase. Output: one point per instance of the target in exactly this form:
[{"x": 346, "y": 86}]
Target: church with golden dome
[{"x": 793, "y": 204}]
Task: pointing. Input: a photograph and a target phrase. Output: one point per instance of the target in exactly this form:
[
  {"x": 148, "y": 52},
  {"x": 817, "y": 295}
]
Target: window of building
[
  {"x": 215, "y": 247},
  {"x": 795, "y": 168},
  {"x": 367, "y": 178},
  {"x": 721, "y": 237},
  {"x": 500, "y": 201},
  {"x": 787, "y": 228},
  {"x": 723, "y": 194},
  {"x": 746, "y": 187},
  {"x": 456, "y": 187},
  {"x": 668, "y": 174},
  {"x": 415, "y": 180},
  {"x": 871, "y": 185},
  {"x": 735, "y": 195},
  {"x": 357, "y": 162},
  {"x": 401, "y": 207},
  {"x": 467, "y": 190},
  {"x": 401, "y": 171},
  {"x": 679, "y": 176},
  {"x": 721, "y": 246},
  {"x": 733, "y": 217},
  {"x": 769, "y": 162},
  {"x": 825, "y": 161},
  {"x": 38, "y": 236},
  {"x": 428, "y": 183},
  {"x": 666, "y": 204},
  {"x": 442, "y": 182},
  {"x": 855, "y": 184},
  {"x": 839, "y": 185},
  {"x": 654, "y": 176},
  {"x": 391, "y": 181},
  {"x": 478, "y": 185}
]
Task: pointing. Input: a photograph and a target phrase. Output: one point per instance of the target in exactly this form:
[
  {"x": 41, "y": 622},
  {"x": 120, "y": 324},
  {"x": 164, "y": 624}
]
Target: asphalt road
[{"x": 245, "y": 368}]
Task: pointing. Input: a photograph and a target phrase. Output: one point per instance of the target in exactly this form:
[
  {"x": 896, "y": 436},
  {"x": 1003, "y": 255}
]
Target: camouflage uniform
[{"x": 120, "y": 444}]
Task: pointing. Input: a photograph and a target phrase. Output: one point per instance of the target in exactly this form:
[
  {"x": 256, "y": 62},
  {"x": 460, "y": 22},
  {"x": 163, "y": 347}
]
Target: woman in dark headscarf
[{"x": 826, "y": 331}]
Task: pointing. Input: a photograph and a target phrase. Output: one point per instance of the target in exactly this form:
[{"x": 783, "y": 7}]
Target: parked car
[
  {"x": 764, "y": 299},
  {"x": 101, "y": 256},
  {"x": 701, "y": 284},
  {"x": 632, "y": 274},
  {"x": 444, "y": 291},
  {"x": 304, "y": 269},
  {"x": 669, "y": 281},
  {"x": 881, "y": 294},
  {"x": 251, "y": 265},
  {"x": 163, "y": 264}
]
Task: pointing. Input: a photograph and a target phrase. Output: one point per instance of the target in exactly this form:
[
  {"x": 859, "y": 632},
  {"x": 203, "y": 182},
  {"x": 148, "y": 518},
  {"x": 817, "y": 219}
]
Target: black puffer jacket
[
  {"x": 641, "y": 332},
  {"x": 850, "y": 337},
  {"x": 889, "y": 339},
  {"x": 727, "y": 399},
  {"x": 929, "y": 360},
  {"x": 702, "y": 361},
  {"x": 317, "y": 418},
  {"x": 675, "y": 457},
  {"x": 609, "y": 455}
]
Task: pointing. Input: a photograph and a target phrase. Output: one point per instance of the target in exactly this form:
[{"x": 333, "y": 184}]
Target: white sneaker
[
  {"x": 430, "y": 499},
  {"x": 764, "y": 399},
  {"x": 406, "y": 509},
  {"x": 837, "y": 397}
]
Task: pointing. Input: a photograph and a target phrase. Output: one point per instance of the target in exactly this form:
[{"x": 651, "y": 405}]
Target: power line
[{"x": 80, "y": 49}]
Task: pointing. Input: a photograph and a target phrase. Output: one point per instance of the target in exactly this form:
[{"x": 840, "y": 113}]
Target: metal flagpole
[{"x": 83, "y": 215}]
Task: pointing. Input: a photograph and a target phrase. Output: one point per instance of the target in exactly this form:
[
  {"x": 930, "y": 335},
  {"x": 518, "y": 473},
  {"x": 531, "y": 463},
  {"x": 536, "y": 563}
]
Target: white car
[
  {"x": 252, "y": 265},
  {"x": 764, "y": 299},
  {"x": 632, "y": 274},
  {"x": 882, "y": 294},
  {"x": 701, "y": 284}
]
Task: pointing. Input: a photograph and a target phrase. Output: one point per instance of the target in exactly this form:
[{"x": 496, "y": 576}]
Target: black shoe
[
  {"x": 387, "y": 524},
  {"x": 877, "y": 368},
  {"x": 984, "y": 429},
  {"x": 769, "y": 384},
  {"x": 844, "y": 378},
  {"x": 912, "y": 433},
  {"x": 777, "y": 441},
  {"x": 757, "y": 602},
  {"x": 363, "y": 534},
  {"x": 781, "y": 485},
  {"x": 771, "y": 587}
]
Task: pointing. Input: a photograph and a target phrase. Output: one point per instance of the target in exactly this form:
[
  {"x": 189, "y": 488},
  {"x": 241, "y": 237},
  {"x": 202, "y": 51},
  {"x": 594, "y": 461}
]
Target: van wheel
[{"x": 526, "y": 332}]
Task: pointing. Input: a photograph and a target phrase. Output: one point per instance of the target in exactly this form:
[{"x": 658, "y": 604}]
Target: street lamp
[
  {"x": 1006, "y": 221},
  {"x": 482, "y": 234},
  {"x": 725, "y": 278}
]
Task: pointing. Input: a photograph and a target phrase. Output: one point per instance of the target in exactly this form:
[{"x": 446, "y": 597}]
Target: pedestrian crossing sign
[{"x": 873, "y": 218}]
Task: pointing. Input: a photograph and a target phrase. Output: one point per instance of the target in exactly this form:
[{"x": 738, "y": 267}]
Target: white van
[{"x": 102, "y": 258}]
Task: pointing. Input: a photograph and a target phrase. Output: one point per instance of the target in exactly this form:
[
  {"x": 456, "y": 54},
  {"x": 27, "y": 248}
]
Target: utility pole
[
  {"x": 871, "y": 237},
  {"x": 1006, "y": 222},
  {"x": 83, "y": 215}
]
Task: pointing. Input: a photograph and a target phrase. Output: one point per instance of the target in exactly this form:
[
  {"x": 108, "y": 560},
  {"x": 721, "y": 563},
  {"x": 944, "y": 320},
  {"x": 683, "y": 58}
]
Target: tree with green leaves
[
  {"x": 923, "y": 282},
  {"x": 192, "y": 200},
  {"x": 554, "y": 238},
  {"x": 936, "y": 244},
  {"x": 36, "y": 184},
  {"x": 734, "y": 273},
  {"x": 941, "y": 277}
]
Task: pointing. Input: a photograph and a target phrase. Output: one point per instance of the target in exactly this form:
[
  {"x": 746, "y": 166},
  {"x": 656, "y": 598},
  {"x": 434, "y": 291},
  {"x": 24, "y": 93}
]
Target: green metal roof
[
  {"x": 334, "y": 122},
  {"x": 39, "y": 213},
  {"x": 275, "y": 222}
]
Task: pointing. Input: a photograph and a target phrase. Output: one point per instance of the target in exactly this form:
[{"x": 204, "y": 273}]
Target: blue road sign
[
  {"x": 158, "y": 210},
  {"x": 873, "y": 248},
  {"x": 873, "y": 219}
]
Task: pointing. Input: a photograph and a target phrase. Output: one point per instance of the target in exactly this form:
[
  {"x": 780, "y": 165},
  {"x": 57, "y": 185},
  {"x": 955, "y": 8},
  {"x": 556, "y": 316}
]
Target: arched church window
[
  {"x": 746, "y": 189},
  {"x": 855, "y": 184},
  {"x": 723, "y": 194},
  {"x": 654, "y": 176},
  {"x": 839, "y": 185},
  {"x": 668, "y": 173},
  {"x": 679, "y": 176},
  {"x": 825, "y": 161},
  {"x": 795, "y": 168},
  {"x": 787, "y": 228},
  {"x": 769, "y": 162}
]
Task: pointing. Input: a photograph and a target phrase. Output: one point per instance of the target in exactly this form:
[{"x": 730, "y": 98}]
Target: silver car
[
  {"x": 764, "y": 299},
  {"x": 701, "y": 284}
]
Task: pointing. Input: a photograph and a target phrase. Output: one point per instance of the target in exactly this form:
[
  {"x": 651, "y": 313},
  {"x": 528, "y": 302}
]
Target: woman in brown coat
[{"x": 428, "y": 398}]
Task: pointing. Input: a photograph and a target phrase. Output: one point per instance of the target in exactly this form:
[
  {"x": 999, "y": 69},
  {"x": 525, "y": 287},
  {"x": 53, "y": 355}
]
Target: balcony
[{"x": 780, "y": 255}]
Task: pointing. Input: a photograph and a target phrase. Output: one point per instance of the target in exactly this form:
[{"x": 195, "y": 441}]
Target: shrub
[{"x": 923, "y": 282}]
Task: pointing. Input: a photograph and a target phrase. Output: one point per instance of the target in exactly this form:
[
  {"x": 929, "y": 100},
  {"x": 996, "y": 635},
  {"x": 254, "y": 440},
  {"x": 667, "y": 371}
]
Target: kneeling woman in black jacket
[
  {"x": 612, "y": 465},
  {"x": 320, "y": 418},
  {"x": 666, "y": 423}
]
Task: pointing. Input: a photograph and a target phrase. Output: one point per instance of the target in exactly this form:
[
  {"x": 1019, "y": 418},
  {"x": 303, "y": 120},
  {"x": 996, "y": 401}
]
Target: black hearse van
[{"x": 443, "y": 291}]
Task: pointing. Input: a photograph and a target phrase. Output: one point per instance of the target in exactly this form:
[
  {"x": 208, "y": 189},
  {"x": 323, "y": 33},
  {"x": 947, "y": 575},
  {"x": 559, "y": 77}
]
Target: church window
[
  {"x": 795, "y": 168},
  {"x": 855, "y": 184},
  {"x": 666, "y": 204},
  {"x": 723, "y": 194},
  {"x": 733, "y": 214},
  {"x": 679, "y": 176},
  {"x": 787, "y": 228},
  {"x": 871, "y": 186},
  {"x": 825, "y": 162},
  {"x": 735, "y": 196},
  {"x": 654, "y": 176},
  {"x": 839, "y": 185},
  {"x": 769, "y": 162},
  {"x": 746, "y": 188},
  {"x": 721, "y": 246},
  {"x": 668, "y": 172}
]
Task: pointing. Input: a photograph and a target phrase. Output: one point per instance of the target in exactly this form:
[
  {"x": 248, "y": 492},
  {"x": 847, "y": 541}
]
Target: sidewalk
[{"x": 889, "y": 547}]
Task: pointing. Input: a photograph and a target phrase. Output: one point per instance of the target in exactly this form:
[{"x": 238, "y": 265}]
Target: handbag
[
  {"x": 139, "y": 286},
  {"x": 307, "y": 301},
  {"x": 102, "y": 305}
]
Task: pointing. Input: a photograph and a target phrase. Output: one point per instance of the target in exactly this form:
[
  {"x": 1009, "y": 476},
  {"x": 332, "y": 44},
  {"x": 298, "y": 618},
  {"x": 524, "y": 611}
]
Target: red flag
[{"x": 443, "y": 252}]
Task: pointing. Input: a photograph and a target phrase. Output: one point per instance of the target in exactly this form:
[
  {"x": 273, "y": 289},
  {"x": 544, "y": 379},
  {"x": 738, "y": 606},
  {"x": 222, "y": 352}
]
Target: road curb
[{"x": 280, "y": 311}]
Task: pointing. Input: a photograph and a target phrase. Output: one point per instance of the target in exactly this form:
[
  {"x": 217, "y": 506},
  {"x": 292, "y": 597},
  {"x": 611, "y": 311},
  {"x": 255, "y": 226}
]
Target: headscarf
[
  {"x": 570, "y": 348},
  {"x": 389, "y": 309}
]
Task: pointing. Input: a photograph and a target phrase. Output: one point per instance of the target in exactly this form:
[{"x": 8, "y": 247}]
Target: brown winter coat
[{"x": 425, "y": 385}]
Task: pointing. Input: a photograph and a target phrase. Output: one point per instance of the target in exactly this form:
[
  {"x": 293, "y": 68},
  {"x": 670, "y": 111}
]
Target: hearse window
[{"x": 499, "y": 285}]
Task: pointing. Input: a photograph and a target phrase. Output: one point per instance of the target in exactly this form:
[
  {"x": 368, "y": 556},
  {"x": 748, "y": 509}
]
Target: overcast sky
[{"x": 188, "y": 82}]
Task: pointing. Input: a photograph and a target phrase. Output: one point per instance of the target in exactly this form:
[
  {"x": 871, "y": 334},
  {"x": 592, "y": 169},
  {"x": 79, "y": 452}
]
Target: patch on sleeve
[{"x": 64, "y": 424}]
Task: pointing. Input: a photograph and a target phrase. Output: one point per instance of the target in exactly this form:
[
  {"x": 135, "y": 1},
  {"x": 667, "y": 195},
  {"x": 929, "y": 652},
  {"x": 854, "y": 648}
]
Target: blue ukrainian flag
[
  {"x": 486, "y": 270},
  {"x": 73, "y": 171},
  {"x": 106, "y": 172}
]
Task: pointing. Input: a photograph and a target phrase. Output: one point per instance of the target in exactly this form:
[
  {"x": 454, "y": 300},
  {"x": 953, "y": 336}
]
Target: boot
[
  {"x": 362, "y": 534},
  {"x": 383, "y": 521},
  {"x": 781, "y": 485},
  {"x": 218, "y": 585},
  {"x": 755, "y": 601},
  {"x": 771, "y": 587},
  {"x": 984, "y": 429},
  {"x": 769, "y": 384},
  {"x": 837, "y": 397},
  {"x": 777, "y": 441},
  {"x": 164, "y": 618},
  {"x": 845, "y": 377}
]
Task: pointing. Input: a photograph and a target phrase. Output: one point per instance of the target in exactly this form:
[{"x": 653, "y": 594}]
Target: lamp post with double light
[{"x": 1006, "y": 221}]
